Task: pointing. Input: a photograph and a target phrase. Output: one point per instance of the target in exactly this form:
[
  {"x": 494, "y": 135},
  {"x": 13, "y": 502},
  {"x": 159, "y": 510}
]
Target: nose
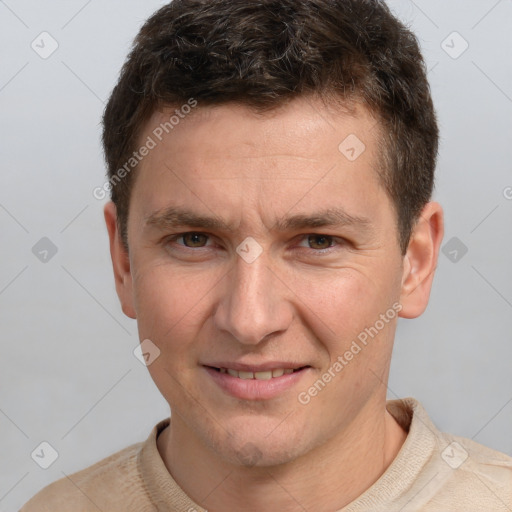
[{"x": 254, "y": 302}]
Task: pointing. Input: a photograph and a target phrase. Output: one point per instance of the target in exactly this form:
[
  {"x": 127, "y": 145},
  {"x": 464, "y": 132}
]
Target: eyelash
[{"x": 334, "y": 241}]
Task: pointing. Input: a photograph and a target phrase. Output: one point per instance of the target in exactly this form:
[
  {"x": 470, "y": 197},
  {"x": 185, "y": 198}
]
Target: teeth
[{"x": 265, "y": 375}]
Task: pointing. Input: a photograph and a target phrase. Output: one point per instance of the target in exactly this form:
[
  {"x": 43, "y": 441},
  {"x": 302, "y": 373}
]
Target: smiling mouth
[{"x": 260, "y": 375}]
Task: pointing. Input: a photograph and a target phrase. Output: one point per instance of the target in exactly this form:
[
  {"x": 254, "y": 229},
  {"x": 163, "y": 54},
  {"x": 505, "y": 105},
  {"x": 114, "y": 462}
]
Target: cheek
[
  {"x": 339, "y": 307},
  {"x": 167, "y": 303},
  {"x": 338, "y": 299},
  {"x": 170, "y": 305}
]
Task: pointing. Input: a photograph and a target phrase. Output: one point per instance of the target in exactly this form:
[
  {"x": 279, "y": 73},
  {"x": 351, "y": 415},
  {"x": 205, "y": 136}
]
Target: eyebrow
[{"x": 173, "y": 217}]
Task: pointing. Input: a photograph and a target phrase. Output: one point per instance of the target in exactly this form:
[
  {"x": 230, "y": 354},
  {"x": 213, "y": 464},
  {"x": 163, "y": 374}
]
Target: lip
[
  {"x": 254, "y": 389},
  {"x": 268, "y": 365}
]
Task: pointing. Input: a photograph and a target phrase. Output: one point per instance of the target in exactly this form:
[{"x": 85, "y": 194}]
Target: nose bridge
[{"x": 252, "y": 306}]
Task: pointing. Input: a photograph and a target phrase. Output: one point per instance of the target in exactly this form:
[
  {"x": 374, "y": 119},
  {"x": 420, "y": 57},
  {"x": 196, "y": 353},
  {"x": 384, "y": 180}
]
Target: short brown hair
[{"x": 264, "y": 53}]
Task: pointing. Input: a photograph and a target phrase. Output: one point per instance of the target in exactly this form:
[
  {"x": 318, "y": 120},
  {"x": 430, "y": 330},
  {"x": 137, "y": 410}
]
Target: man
[{"x": 271, "y": 166}]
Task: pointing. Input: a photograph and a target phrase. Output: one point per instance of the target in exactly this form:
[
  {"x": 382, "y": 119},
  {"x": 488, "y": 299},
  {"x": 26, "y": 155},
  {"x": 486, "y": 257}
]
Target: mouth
[
  {"x": 273, "y": 373},
  {"x": 256, "y": 383}
]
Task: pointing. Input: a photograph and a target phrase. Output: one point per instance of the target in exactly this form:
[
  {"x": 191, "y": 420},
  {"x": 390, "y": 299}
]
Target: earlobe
[
  {"x": 420, "y": 261},
  {"x": 120, "y": 262}
]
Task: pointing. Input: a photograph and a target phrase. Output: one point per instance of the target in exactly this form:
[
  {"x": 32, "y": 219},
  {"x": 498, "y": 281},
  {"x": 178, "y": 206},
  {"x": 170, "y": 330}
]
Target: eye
[
  {"x": 198, "y": 240},
  {"x": 192, "y": 239},
  {"x": 319, "y": 242}
]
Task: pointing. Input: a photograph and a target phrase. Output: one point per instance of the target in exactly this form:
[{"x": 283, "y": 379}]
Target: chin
[
  {"x": 261, "y": 455},
  {"x": 248, "y": 447}
]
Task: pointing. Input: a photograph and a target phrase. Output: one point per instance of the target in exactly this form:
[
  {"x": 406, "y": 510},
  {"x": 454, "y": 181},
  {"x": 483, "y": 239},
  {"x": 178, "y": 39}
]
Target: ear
[
  {"x": 120, "y": 262},
  {"x": 420, "y": 261}
]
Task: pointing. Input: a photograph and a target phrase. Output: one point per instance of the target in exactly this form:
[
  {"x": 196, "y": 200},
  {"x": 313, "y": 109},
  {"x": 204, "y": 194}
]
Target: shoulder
[
  {"x": 464, "y": 474},
  {"x": 472, "y": 476},
  {"x": 441, "y": 471},
  {"x": 104, "y": 484},
  {"x": 475, "y": 459}
]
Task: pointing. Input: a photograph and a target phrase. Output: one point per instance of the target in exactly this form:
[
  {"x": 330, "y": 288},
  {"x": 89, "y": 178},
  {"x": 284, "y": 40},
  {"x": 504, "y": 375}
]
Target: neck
[{"x": 324, "y": 479}]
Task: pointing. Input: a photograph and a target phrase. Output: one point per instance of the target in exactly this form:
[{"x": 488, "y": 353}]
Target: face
[{"x": 262, "y": 249}]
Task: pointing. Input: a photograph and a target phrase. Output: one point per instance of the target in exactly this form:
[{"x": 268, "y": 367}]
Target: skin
[{"x": 198, "y": 301}]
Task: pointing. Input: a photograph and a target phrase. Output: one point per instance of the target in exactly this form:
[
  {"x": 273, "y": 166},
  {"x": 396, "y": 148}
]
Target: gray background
[{"x": 67, "y": 372}]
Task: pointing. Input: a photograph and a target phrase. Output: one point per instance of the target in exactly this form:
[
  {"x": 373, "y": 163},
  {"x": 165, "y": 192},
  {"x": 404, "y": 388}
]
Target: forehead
[
  {"x": 302, "y": 129},
  {"x": 230, "y": 156},
  {"x": 291, "y": 121}
]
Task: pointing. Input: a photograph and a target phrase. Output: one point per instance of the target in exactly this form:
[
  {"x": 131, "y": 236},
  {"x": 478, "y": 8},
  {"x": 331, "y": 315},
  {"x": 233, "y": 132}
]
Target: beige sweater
[{"x": 433, "y": 472}]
